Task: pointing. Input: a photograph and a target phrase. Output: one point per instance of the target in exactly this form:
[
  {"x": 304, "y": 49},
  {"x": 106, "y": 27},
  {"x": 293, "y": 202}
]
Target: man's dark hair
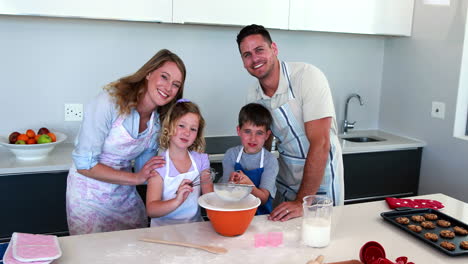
[
  {"x": 253, "y": 30},
  {"x": 256, "y": 114}
]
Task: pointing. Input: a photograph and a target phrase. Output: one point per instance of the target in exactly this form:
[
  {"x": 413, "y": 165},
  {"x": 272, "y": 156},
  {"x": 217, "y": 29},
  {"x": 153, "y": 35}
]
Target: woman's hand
[
  {"x": 149, "y": 169},
  {"x": 184, "y": 190}
]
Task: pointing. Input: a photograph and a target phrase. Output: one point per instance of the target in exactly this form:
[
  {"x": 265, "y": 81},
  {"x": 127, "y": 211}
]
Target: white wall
[
  {"x": 417, "y": 71},
  {"x": 47, "y": 62}
]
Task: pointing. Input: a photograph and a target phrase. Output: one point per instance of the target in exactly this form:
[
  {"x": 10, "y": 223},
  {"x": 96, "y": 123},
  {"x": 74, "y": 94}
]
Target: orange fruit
[
  {"x": 31, "y": 141},
  {"x": 37, "y": 137},
  {"x": 52, "y": 136},
  {"x": 30, "y": 133},
  {"x": 23, "y": 137}
]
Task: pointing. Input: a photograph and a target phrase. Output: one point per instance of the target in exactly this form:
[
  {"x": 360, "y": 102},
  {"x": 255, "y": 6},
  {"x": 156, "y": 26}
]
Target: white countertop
[
  {"x": 353, "y": 226},
  {"x": 60, "y": 158},
  {"x": 391, "y": 142}
]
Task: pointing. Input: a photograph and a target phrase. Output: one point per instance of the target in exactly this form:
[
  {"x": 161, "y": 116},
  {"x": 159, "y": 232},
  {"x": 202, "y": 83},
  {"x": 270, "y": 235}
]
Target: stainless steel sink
[{"x": 364, "y": 139}]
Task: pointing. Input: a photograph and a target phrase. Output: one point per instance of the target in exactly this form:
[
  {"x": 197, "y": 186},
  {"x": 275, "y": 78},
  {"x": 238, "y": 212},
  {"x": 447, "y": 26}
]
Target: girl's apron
[
  {"x": 255, "y": 175},
  {"x": 97, "y": 206},
  {"x": 188, "y": 211},
  {"x": 288, "y": 127}
]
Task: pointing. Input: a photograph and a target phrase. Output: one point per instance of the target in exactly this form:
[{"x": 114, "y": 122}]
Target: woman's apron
[
  {"x": 255, "y": 176},
  {"x": 288, "y": 127},
  {"x": 188, "y": 211},
  {"x": 97, "y": 206}
]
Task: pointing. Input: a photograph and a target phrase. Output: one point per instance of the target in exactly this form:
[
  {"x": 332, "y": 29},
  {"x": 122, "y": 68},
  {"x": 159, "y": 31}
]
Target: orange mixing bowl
[{"x": 229, "y": 218}]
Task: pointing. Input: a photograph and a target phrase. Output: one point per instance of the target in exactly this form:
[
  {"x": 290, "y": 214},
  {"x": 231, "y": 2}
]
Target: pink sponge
[
  {"x": 260, "y": 240},
  {"x": 275, "y": 239}
]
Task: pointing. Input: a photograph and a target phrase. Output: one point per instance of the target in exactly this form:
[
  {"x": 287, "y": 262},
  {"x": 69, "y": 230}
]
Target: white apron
[
  {"x": 288, "y": 127},
  {"x": 97, "y": 206},
  {"x": 188, "y": 211}
]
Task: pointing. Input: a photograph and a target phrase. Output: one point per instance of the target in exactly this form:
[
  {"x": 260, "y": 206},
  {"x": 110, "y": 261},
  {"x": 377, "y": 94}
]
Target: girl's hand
[
  {"x": 206, "y": 177},
  {"x": 149, "y": 169},
  {"x": 184, "y": 190}
]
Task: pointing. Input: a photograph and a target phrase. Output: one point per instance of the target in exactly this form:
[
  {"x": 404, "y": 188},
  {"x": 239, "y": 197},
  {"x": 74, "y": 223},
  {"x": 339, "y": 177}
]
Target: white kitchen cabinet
[
  {"x": 137, "y": 10},
  {"x": 381, "y": 17},
  {"x": 269, "y": 13}
]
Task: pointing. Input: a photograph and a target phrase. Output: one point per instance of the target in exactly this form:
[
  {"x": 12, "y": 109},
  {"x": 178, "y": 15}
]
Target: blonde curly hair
[
  {"x": 169, "y": 123},
  {"x": 129, "y": 90}
]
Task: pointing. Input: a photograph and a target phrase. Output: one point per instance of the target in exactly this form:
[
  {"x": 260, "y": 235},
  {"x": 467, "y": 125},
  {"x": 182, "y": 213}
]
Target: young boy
[{"x": 251, "y": 163}]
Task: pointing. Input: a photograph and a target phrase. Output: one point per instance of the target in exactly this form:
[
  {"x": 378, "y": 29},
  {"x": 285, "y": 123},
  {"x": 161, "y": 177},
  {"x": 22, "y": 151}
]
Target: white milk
[{"x": 316, "y": 232}]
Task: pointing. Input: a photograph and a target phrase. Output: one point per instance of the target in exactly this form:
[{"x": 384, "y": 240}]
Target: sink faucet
[{"x": 346, "y": 124}]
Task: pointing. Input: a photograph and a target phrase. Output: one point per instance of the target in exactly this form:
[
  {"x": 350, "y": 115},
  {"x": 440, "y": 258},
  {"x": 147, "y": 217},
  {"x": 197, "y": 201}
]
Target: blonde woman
[{"x": 120, "y": 126}]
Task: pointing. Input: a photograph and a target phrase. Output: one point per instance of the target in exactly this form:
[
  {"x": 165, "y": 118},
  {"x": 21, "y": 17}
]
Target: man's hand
[{"x": 286, "y": 211}]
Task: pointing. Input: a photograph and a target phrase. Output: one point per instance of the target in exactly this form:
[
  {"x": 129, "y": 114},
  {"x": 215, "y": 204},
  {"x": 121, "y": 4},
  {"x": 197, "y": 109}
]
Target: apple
[
  {"x": 13, "y": 137},
  {"x": 44, "y": 139},
  {"x": 20, "y": 142},
  {"x": 43, "y": 131}
]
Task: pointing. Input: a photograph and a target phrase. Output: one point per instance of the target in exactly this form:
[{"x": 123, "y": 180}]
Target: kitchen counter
[
  {"x": 391, "y": 142},
  {"x": 60, "y": 158},
  {"x": 353, "y": 225}
]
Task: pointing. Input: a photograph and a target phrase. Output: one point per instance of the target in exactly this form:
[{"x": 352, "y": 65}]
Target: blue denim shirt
[{"x": 99, "y": 115}]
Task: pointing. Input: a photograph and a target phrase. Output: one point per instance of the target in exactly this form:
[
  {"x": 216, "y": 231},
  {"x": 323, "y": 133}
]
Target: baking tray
[{"x": 408, "y": 212}]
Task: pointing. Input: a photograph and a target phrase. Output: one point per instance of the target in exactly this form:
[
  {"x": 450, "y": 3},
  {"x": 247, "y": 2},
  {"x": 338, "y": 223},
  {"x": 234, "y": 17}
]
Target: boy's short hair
[
  {"x": 253, "y": 30},
  {"x": 256, "y": 114}
]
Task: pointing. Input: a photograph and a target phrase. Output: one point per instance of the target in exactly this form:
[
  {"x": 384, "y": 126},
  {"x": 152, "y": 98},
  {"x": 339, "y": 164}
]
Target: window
[{"x": 460, "y": 129}]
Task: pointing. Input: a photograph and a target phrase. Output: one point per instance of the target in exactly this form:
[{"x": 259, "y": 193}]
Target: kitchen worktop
[
  {"x": 60, "y": 158},
  {"x": 352, "y": 226}
]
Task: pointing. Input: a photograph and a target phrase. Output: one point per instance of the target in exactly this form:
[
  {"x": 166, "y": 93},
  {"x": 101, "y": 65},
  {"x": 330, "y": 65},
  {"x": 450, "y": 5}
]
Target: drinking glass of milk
[{"x": 316, "y": 223}]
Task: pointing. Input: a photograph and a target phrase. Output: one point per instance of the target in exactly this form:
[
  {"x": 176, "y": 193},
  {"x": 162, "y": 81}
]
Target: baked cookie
[
  {"x": 431, "y": 236},
  {"x": 415, "y": 228},
  {"x": 431, "y": 216},
  {"x": 418, "y": 218},
  {"x": 443, "y": 223},
  {"x": 447, "y": 234},
  {"x": 464, "y": 244},
  {"x": 428, "y": 225},
  {"x": 448, "y": 245},
  {"x": 460, "y": 231},
  {"x": 402, "y": 220}
]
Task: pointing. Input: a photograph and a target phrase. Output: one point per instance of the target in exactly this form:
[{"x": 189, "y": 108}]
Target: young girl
[{"x": 172, "y": 196}]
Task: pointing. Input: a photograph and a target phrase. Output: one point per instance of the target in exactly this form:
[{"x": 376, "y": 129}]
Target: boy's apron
[
  {"x": 255, "y": 176},
  {"x": 97, "y": 206},
  {"x": 188, "y": 211},
  {"x": 288, "y": 127}
]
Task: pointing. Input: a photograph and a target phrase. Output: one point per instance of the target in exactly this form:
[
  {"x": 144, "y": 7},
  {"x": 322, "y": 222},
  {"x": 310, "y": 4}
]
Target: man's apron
[{"x": 288, "y": 127}]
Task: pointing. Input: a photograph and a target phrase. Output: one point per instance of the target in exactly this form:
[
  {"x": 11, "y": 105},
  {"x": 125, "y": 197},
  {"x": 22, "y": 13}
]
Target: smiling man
[{"x": 299, "y": 99}]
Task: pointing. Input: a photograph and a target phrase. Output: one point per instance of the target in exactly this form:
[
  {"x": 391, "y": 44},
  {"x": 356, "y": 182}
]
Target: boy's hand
[
  {"x": 184, "y": 190},
  {"x": 240, "y": 178}
]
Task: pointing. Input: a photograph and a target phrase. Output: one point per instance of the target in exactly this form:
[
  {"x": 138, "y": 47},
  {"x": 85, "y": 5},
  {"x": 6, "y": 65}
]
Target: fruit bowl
[
  {"x": 32, "y": 151},
  {"x": 229, "y": 218}
]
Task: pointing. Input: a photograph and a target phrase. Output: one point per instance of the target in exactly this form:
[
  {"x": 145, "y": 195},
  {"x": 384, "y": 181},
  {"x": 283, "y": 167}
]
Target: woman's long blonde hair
[
  {"x": 168, "y": 128},
  {"x": 128, "y": 90}
]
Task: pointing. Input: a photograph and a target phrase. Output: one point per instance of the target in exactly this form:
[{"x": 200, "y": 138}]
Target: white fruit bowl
[{"x": 32, "y": 151}]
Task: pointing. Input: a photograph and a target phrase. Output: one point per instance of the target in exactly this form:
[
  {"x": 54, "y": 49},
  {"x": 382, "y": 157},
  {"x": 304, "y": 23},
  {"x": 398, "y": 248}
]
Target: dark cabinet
[
  {"x": 33, "y": 203},
  {"x": 376, "y": 175}
]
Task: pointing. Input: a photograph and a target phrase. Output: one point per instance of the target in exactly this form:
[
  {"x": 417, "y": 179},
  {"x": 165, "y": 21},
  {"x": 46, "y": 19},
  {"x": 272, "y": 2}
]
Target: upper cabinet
[
  {"x": 138, "y": 10},
  {"x": 380, "y": 17},
  {"x": 269, "y": 13}
]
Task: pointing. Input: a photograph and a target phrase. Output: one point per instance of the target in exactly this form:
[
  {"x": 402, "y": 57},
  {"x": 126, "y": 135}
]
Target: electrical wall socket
[
  {"x": 438, "y": 110},
  {"x": 73, "y": 112}
]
